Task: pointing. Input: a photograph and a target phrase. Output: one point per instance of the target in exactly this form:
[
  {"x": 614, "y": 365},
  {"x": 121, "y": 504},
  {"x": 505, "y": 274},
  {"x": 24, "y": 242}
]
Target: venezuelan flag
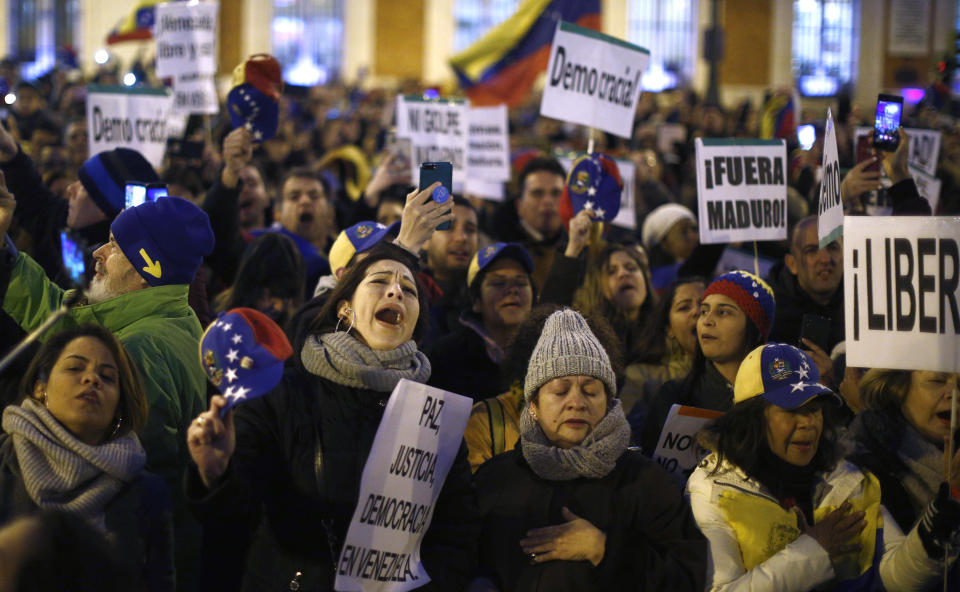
[
  {"x": 502, "y": 66},
  {"x": 137, "y": 25},
  {"x": 779, "y": 117}
]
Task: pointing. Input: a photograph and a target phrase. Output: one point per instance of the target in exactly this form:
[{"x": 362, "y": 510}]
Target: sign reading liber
[{"x": 440, "y": 194}]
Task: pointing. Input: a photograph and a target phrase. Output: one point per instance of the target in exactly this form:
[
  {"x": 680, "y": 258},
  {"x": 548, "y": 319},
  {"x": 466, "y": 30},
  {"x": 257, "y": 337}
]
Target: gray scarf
[
  {"x": 341, "y": 358},
  {"x": 61, "y": 472},
  {"x": 925, "y": 461},
  {"x": 593, "y": 458}
]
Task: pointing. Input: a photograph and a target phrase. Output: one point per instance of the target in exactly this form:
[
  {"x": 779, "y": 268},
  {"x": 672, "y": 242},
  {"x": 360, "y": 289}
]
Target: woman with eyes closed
[
  {"x": 570, "y": 508},
  {"x": 290, "y": 463},
  {"x": 72, "y": 445},
  {"x": 735, "y": 315}
]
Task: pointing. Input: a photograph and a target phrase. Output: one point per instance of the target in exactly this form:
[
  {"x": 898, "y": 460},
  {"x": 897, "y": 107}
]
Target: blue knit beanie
[
  {"x": 165, "y": 240},
  {"x": 105, "y": 177}
]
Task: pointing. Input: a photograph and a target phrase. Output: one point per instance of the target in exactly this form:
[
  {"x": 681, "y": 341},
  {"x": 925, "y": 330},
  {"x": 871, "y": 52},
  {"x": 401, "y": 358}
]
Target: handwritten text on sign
[
  {"x": 742, "y": 190},
  {"x": 676, "y": 449},
  {"x": 438, "y": 132},
  {"x": 902, "y": 276},
  {"x": 415, "y": 445},
  {"x": 121, "y": 117},
  {"x": 593, "y": 79},
  {"x": 488, "y": 152},
  {"x": 186, "y": 35}
]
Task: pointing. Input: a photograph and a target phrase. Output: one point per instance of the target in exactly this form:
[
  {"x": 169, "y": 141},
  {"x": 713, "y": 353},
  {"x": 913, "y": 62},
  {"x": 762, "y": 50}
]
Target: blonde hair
[
  {"x": 589, "y": 297},
  {"x": 881, "y": 388}
]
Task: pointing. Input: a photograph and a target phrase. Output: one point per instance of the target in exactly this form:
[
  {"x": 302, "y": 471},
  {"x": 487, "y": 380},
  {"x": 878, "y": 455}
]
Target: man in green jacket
[{"x": 140, "y": 293}]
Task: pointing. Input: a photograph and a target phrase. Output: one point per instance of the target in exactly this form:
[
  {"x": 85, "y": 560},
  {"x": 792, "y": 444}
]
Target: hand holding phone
[
  {"x": 817, "y": 330},
  {"x": 886, "y": 136},
  {"x": 431, "y": 172}
]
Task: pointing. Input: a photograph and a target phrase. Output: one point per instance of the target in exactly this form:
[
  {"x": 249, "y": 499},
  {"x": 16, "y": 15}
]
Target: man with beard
[
  {"x": 139, "y": 292},
  {"x": 809, "y": 280}
]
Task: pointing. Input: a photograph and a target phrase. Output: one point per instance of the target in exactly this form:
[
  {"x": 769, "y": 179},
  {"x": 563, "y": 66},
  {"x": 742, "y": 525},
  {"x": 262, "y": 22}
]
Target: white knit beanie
[
  {"x": 567, "y": 347},
  {"x": 659, "y": 222}
]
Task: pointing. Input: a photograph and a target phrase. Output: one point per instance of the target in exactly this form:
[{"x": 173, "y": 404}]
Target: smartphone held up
[
  {"x": 886, "y": 136},
  {"x": 430, "y": 173}
]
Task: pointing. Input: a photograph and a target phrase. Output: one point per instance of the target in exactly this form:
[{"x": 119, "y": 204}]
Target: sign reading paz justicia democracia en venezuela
[
  {"x": 742, "y": 190},
  {"x": 901, "y": 279}
]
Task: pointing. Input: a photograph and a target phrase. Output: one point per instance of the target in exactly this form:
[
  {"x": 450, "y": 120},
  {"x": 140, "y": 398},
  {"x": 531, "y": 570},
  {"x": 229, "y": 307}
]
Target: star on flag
[
  {"x": 230, "y": 374},
  {"x": 799, "y": 386},
  {"x": 237, "y": 338},
  {"x": 232, "y": 355}
]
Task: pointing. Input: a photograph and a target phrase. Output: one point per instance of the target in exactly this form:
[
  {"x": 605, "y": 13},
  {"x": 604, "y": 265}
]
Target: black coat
[
  {"x": 295, "y": 476},
  {"x": 793, "y": 302},
  {"x": 460, "y": 364},
  {"x": 652, "y": 540}
]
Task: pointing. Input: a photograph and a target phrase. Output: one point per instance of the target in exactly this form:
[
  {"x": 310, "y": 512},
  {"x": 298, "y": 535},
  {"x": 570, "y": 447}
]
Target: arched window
[
  {"x": 473, "y": 18},
  {"x": 40, "y": 31},
  {"x": 307, "y": 38},
  {"x": 668, "y": 28},
  {"x": 824, "y": 56}
]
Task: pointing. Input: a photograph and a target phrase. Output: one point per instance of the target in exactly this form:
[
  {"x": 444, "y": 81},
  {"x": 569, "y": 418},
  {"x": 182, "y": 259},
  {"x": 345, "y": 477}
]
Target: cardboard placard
[
  {"x": 416, "y": 443},
  {"x": 593, "y": 79},
  {"x": 627, "y": 216},
  {"x": 676, "y": 449},
  {"x": 128, "y": 117},
  {"x": 489, "y": 190},
  {"x": 830, "y": 212},
  {"x": 741, "y": 190},
  {"x": 488, "y": 144},
  {"x": 902, "y": 288},
  {"x": 186, "y": 36},
  {"x": 438, "y": 131}
]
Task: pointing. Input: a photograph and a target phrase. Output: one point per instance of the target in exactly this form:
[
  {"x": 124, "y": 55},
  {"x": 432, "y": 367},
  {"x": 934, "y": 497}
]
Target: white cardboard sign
[
  {"x": 928, "y": 187},
  {"x": 415, "y": 445},
  {"x": 438, "y": 132},
  {"x": 593, "y": 79},
  {"x": 830, "y": 214},
  {"x": 186, "y": 35},
  {"x": 902, "y": 278},
  {"x": 627, "y": 216},
  {"x": 488, "y": 144},
  {"x": 489, "y": 190},
  {"x": 128, "y": 117},
  {"x": 676, "y": 449},
  {"x": 924, "y": 150},
  {"x": 741, "y": 190}
]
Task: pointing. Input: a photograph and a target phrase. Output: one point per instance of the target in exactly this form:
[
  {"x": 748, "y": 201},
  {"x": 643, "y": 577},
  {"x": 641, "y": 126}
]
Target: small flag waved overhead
[
  {"x": 137, "y": 25},
  {"x": 502, "y": 66}
]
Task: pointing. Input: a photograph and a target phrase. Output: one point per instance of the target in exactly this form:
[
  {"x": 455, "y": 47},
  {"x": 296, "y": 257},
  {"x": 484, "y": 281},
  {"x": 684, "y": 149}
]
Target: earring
[
  {"x": 43, "y": 398},
  {"x": 353, "y": 320},
  {"x": 116, "y": 427},
  {"x": 533, "y": 414}
]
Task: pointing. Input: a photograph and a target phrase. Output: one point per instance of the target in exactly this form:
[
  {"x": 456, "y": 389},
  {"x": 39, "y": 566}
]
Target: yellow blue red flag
[
  {"x": 137, "y": 25},
  {"x": 502, "y": 66}
]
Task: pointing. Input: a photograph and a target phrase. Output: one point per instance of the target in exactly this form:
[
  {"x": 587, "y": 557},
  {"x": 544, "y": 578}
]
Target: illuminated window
[
  {"x": 824, "y": 56},
  {"x": 308, "y": 39},
  {"x": 39, "y": 29},
  {"x": 473, "y": 18},
  {"x": 668, "y": 28}
]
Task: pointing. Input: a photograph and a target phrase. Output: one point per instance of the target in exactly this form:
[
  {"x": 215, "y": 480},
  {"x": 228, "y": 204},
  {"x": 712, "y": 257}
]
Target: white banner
[
  {"x": 593, "y": 79},
  {"x": 676, "y": 449},
  {"x": 489, "y": 190},
  {"x": 488, "y": 144},
  {"x": 627, "y": 216},
  {"x": 186, "y": 35},
  {"x": 438, "y": 132},
  {"x": 415, "y": 445},
  {"x": 924, "y": 147},
  {"x": 830, "y": 214},
  {"x": 741, "y": 190},
  {"x": 128, "y": 117},
  {"x": 902, "y": 276},
  {"x": 928, "y": 187}
]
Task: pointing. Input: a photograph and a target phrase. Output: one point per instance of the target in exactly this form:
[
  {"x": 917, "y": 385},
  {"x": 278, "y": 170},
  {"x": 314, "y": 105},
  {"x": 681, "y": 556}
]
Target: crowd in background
[{"x": 572, "y": 340}]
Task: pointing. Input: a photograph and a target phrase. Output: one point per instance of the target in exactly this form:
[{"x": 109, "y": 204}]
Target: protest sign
[
  {"x": 186, "y": 35},
  {"x": 741, "y": 189},
  {"x": 676, "y": 449},
  {"x": 418, "y": 438},
  {"x": 488, "y": 145},
  {"x": 490, "y": 190},
  {"x": 830, "y": 213},
  {"x": 924, "y": 149},
  {"x": 901, "y": 278},
  {"x": 593, "y": 79},
  {"x": 928, "y": 187},
  {"x": 627, "y": 216},
  {"x": 438, "y": 132},
  {"x": 128, "y": 117},
  {"x": 669, "y": 135}
]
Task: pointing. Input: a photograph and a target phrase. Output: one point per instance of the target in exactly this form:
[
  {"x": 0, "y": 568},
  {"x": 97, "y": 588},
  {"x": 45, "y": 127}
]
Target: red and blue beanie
[
  {"x": 164, "y": 240},
  {"x": 242, "y": 354},
  {"x": 104, "y": 176},
  {"x": 752, "y": 295}
]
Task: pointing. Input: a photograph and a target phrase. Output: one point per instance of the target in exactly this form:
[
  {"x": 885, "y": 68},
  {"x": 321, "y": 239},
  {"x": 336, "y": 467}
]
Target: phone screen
[
  {"x": 816, "y": 329},
  {"x": 72, "y": 258},
  {"x": 155, "y": 191},
  {"x": 885, "y": 134},
  {"x": 136, "y": 194},
  {"x": 807, "y": 136},
  {"x": 430, "y": 173}
]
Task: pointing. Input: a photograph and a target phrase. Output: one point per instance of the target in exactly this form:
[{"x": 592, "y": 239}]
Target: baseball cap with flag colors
[
  {"x": 357, "y": 239},
  {"x": 488, "y": 255},
  {"x": 781, "y": 374}
]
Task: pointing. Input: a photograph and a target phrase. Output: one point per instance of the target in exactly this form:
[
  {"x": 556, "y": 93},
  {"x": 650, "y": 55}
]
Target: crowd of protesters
[{"x": 572, "y": 339}]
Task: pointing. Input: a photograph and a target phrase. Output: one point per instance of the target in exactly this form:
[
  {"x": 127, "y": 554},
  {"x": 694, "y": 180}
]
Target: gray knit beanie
[{"x": 567, "y": 347}]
